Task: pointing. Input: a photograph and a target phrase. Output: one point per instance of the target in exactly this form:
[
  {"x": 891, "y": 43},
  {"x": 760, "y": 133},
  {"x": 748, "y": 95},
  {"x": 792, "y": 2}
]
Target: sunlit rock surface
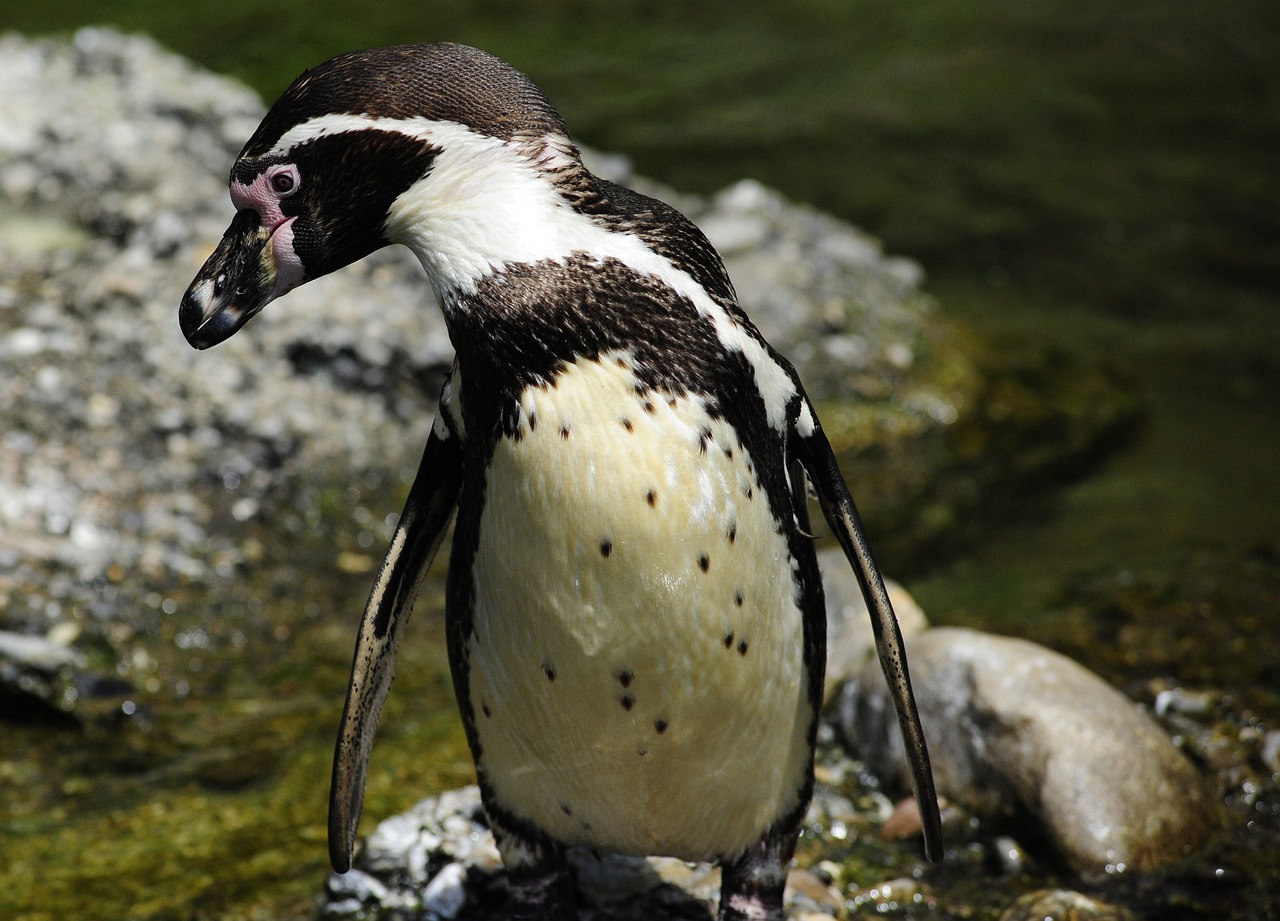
[
  {"x": 439, "y": 860},
  {"x": 1021, "y": 733}
]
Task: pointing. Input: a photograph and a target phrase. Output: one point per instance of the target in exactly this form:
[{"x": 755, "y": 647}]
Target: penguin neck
[{"x": 487, "y": 204}]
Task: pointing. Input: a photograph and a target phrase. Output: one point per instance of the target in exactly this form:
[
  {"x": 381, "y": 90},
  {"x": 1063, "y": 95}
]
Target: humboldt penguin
[{"x": 635, "y": 617}]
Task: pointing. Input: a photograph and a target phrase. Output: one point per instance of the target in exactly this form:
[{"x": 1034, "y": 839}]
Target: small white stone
[
  {"x": 244, "y": 509},
  {"x": 24, "y": 342},
  {"x": 357, "y": 885},
  {"x": 900, "y": 355},
  {"x": 49, "y": 379},
  {"x": 446, "y": 894},
  {"x": 102, "y": 409}
]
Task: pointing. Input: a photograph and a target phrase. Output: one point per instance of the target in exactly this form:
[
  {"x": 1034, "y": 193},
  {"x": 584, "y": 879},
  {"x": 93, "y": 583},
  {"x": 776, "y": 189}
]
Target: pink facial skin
[{"x": 264, "y": 195}]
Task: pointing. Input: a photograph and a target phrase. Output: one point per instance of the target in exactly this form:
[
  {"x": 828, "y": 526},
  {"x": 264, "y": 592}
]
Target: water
[{"x": 1092, "y": 178}]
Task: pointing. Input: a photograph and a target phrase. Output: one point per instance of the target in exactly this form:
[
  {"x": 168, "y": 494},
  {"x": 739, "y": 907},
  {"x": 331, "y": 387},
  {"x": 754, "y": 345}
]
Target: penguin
[{"x": 634, "y": 613}]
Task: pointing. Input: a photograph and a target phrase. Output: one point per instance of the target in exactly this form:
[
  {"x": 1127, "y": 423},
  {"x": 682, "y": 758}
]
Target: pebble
[
  {"x": 439, "y": 860},
  {"x": 446, "y": 894},
  {"x": 889, "y": 897},
  {"x": 44, "y": 654},
  {"x": 1063, "y": 905},
  {"x": 1271, "y": 750}
]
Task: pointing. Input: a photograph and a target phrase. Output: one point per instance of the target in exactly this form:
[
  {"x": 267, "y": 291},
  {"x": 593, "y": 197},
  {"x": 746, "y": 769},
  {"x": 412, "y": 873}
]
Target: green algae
[
  {"x": 939, "y": 464},
  {"x": 199, "y": 789}
]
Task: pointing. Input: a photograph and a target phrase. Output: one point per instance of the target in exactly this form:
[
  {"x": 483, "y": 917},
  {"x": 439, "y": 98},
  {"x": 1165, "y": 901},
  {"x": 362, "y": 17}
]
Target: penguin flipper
[
  {"x": 842, "y": 515},
  {"x": 422, "y": 526}
]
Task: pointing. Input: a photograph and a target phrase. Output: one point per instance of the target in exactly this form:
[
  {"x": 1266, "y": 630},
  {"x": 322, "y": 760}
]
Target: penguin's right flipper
[{"x": 427, "y": 512}]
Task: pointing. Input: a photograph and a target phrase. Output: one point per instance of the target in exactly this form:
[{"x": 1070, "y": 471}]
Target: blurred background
[
  {"x": 1096, "y": 178},
  {"x": 1089, "y": 181}
]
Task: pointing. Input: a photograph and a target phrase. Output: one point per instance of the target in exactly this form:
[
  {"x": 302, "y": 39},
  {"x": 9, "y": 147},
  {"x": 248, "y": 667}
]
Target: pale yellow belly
[{"x": 636, "y": 668}]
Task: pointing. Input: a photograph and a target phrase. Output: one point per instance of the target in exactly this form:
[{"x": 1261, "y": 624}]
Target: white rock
[{"x": 446, "y": 894}]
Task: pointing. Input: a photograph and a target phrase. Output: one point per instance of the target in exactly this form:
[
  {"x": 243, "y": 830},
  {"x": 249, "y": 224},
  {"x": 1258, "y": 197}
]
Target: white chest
[{"x": 636, "y": 668}]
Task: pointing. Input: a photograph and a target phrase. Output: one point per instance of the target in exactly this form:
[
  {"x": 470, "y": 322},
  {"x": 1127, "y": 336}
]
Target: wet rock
[
  {"x": 1018, "y": 732},
  {"x": 37, "y": 675},
  {"x": 891, "y": 896},
  {"x": 349, "y": 894},
  {"x": 125, "y": 454},
  {"x": 121, "y": 447},
  {"x": 439, "y": 860},
  {"x": 37, "y": 652},
  {"x": 1063, "y": 905},
  {"x": 1010, "y": 858}
]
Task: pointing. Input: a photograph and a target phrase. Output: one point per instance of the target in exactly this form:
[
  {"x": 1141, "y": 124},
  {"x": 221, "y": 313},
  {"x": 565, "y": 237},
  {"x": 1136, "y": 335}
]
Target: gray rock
[
  {"x": 120, "y": 445},
  {"x": 1271, "y": 750},
  {"x": 438, "y": 860},
  {"x": 446, "y": 894},
  {"x": 349, "y": 892},
  {"x": 1063, "y": 905},
  {"x": 37, "y": 652},
  {"x": 108, "y": 420},
  {"x": 1016, "y": 730},
  {"x": 44, "y": 675}
]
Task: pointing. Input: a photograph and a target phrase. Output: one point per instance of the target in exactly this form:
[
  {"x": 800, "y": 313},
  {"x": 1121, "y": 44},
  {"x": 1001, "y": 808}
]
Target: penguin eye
[{"x": 285, "y": 181}]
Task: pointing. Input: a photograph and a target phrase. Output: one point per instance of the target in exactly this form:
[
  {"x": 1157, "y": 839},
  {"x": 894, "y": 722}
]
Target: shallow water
[{"x": 1075, "y": 176}]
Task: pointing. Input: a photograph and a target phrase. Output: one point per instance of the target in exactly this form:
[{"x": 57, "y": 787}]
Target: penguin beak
[{"x": 252, "y": 266}]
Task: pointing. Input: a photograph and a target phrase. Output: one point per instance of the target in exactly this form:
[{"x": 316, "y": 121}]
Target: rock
[
  {"x": 1063, "y": 905},
  {"x": 348, "y": 893},
  {"x": 446, "y": 894},
  {"x": 1009, "y": 855},
  {"x": 890, "y": 897},
  {"x": 850, "y": 642},
  {"x": 1271, "y": 750},
  {"x": 37, "y": 674},
  {"x": 439, "y": 860},
  {"x": 111, "y": 428},
  {"x": 1017, "y": 731},
  {"x": 120, "y": 447},
  {"x": 37, "y": 652}
]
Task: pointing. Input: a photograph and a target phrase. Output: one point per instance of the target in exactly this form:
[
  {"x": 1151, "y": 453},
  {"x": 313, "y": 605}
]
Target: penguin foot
[
  {"x": 759, "y": 905},
  {"x": 539, "y": 878},
  {"x": 542, "y": 896},
  {"x": 751, "y": 887}
]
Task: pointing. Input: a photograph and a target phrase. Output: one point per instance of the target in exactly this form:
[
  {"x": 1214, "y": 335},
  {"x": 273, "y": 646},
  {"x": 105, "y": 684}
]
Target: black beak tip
[
  {"x": 205, "y": 331},
  {"x": 189, "y": 318}
]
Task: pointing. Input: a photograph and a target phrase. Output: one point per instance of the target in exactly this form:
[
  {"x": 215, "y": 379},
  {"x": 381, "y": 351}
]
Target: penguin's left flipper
[
  {"x": 431, "y": 503},
  {"x": 819, "y": 461}
]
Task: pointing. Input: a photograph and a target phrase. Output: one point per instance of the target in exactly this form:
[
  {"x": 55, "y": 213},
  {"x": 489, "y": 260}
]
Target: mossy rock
[{"x": 976, "y": 436}]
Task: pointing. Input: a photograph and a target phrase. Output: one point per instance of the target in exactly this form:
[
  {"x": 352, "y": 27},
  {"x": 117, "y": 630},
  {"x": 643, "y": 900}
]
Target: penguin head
[{"x": 349, "y": 159}]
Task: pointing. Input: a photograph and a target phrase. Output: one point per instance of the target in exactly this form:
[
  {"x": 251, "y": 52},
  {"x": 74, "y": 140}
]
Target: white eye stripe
[{"x": 323, "y": 126}]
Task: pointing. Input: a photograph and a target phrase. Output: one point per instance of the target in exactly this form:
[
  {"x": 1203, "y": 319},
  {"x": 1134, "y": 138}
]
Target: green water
[{"x": 1094, "y": 177}]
